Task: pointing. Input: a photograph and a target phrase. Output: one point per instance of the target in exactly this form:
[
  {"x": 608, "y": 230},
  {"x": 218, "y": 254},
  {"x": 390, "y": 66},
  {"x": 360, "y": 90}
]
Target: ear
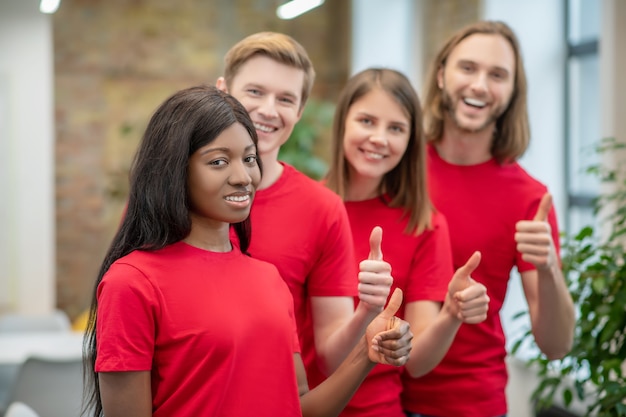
[
  {"x": 440, "y": 77},
  {"x": 300, "y": 111},
  {"x": 221, "y": 84}
]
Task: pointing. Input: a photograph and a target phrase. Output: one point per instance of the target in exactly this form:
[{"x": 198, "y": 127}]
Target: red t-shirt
[
  {"x": 216, "y": 331},
  {"x": 482, "y": 204},
  {"x": 421, "y": 267},
  {"x": 302, "y": 228}
]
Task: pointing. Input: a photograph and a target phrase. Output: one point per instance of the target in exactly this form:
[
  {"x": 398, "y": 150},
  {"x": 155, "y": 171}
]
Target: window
[{"x": 582, "y": 110}]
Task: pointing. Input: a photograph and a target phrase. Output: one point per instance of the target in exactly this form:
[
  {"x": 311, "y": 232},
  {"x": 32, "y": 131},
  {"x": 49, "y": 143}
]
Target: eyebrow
[
  {"x": 371, "y": 116},
  {"x": 248, "y": 148},
  {"x": 498, "y": 68}
]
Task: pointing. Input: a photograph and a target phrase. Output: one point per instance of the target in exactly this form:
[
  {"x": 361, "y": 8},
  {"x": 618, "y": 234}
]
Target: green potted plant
[
  {"x": 595, "y": 268},
  {"x": 302, "y": 150}
]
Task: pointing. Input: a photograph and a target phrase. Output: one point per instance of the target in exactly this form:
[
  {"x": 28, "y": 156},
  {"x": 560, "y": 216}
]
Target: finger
[
  {"x": 471, "y": 264},
  {"x": 376, "y": 239},
  {"x": 461, "y": 278},
  {"x": 544, "y": 208},
  {"x": 395, "y": 350},
  {"x": 393, "y": 305},
  {"x": 371, "y": 267}
]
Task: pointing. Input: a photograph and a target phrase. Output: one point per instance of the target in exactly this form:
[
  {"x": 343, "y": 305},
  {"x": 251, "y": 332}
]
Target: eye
[
  {"x": 498, "y": 75},
  {"x": 287, "y": 100},
  {"x": 250, "y": 160},
  {"x": 366, "y": 121},
  {"x": 218, "y": 162},
  {"x": 466, "y": 67},
  {"x": 254, "y": 91},
  {"x": 397, "y": 129}
]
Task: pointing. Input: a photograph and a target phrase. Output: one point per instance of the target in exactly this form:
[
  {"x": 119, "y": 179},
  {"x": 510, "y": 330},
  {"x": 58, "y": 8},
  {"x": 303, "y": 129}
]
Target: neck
[
  {"x": 461, "y": 147},
  {"x": 272, "y": 170},
  {"x": 209, "y": 235},
  {"x": 361, "y": 188}
]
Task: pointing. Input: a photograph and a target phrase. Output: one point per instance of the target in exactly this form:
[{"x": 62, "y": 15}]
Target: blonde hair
[
  {"x": 406, "y": 182},
  {"x": 277, "y": 46},
  {"x": 512, "y": 134}
]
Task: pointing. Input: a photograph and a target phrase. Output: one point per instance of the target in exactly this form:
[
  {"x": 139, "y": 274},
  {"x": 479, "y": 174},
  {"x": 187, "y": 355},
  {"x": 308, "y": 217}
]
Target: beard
[{"x": 450, "y": 108}]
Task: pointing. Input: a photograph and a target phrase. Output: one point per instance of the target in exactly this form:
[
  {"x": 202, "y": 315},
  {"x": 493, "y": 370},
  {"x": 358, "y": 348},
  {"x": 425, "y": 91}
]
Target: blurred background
[{"x": 77, "y": 87}]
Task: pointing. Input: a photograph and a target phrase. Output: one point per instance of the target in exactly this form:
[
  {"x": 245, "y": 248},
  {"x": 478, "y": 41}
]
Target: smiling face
[
  {"x": 222, "y": 177},
  {"x": 377, "y": 132},
  {"x": 271, "y": 92},
  {"x": 477, "y": 82}
]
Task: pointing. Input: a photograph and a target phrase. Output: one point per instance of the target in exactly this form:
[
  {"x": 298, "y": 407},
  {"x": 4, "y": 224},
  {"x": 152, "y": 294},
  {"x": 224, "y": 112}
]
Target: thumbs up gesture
[
  {"x": 534, "y": 237},
  {"x": 467, "y": 300},
  {"x": 388, "y": 337},
  {"x": 374, "y": 275}
]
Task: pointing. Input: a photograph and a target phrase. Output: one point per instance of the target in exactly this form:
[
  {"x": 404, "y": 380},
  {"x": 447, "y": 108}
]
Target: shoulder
[
  {"x": 520, "y": 177},
  {"x": 259, "y": 269},
  {"x": 256, "y": 264},
  {"x": 148, "y": 264},
  {"x": 438, "y": 220},
  {"x": 313, "y": 191}
]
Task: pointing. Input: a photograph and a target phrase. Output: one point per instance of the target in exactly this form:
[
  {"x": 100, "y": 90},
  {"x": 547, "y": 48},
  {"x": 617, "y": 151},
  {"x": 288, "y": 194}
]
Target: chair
[
  {"x": 18, "y": 322},
  {"x": 51, "y": 387},
  {"x": 18, "y": 409}
]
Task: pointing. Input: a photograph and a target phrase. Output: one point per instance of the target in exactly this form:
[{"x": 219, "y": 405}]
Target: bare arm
[
  {"x": 337, "y": 326},
  {"x": 549, "y": 301},
  {"x": 387, "y": 340},
  {"x": 126, "y": 394},
  {"x": 551, "y": 311},
  {"x": 434, "y": 328}
]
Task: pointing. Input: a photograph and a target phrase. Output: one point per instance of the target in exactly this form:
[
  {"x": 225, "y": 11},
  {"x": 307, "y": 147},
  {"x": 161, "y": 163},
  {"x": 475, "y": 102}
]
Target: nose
[
  {"x": 267, "y": 107},
  {"x": 378, "y": 138},
  {"x": 479, "y": 83},
  {"x": 240, "y": 174}
]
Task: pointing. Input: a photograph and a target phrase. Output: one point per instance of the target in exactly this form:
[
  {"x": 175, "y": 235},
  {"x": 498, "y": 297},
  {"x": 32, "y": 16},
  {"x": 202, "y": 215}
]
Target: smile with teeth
[
  {"x": 237, "y": 198},
  {"x": 474, "y": 102},
  {"x": 374, "y": 155},
  {"x": 265, "y": 128}
]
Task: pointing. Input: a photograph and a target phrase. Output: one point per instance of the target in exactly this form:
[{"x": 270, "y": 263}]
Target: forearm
[
  {"x": 554, "y": 319},
  {"x": 331, "y": 396},
  {"x": 334, "y": 348},
  {"x": 430, "y": 345}
]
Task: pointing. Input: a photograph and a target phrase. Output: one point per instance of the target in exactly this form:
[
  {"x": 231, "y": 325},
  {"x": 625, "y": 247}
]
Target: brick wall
[{"x": 441, "y": 19}]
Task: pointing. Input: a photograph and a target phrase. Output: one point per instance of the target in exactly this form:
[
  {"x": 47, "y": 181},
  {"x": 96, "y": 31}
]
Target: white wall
[
  {"x": 27, "y": 258},
  {"x": 386, "y": 34}
]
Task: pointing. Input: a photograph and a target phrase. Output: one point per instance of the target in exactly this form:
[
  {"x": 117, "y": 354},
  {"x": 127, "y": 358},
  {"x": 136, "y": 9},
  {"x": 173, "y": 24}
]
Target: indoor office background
[{"x": 77, "y": 88}]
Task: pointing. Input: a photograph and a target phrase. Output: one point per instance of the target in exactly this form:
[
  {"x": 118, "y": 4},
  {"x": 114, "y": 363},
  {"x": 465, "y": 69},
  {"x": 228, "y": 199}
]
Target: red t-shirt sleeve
[
  {"x": 432, "y": 266},
  {"x": 334, "y": 272},
  {"x": 126, "y": 320}
]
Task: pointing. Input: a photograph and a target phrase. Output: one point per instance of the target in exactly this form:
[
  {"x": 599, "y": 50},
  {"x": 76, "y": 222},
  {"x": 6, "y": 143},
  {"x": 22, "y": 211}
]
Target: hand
[
  {"x": 375, "y": 275},
  {"x": 467, "y": 300},
  {"x": 534, "y": 237},
  {"x": 388, "y": 337}
]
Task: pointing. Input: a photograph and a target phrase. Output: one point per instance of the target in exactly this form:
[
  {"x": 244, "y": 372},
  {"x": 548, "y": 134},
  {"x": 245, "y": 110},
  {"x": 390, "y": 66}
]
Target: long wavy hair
[
  {"x": 512, "y": 134},
  {"x": 157, "y": 214},
  {"x": 406, "y": 182}
]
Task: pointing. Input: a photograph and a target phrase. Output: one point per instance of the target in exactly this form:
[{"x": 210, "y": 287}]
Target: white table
[{"x": 16, "y": 347}]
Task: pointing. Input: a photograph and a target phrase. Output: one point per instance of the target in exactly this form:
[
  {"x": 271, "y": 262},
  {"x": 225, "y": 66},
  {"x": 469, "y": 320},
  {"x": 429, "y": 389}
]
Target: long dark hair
[{"x": 157, "y": 214}]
